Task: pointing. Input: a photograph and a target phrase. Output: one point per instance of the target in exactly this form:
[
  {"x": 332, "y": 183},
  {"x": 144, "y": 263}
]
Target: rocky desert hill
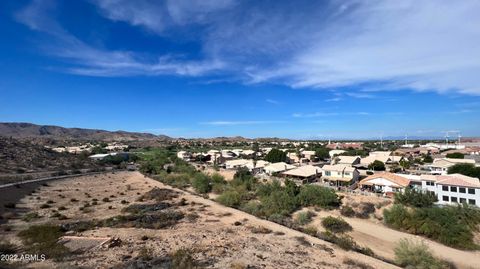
[{"x": 33, "y": 131}]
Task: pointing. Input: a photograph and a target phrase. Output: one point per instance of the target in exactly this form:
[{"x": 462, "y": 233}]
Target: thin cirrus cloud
[
  {"x": 307, "y": 44},
  {"x": 231, "y": 123}
]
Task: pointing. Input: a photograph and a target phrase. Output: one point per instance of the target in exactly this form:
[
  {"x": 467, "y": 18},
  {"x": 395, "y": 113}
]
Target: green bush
[
  {"x": 450, "y": 225},
  {"x": 466, "y": 169},
  {"x": 312, "y": 195},
  {"x": 201, "y": 183},
  {"x": 253, "y": 207},
  {"x": 231, "y": 198},
  {"x": 336, "y": 225},
  {"x": 412, "y": 197},
  {"x": 279, "y": 202},
  {"x": 455, "y": 155},
  {"x": 417, "y": 255}
]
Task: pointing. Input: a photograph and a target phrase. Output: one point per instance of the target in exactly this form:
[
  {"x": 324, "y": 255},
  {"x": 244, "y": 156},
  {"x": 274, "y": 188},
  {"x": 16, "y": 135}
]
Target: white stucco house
[
  {"x": 454, "y": 188},
  {"x": 277, "y": 167},
  {"x": 340, "y": 174}
]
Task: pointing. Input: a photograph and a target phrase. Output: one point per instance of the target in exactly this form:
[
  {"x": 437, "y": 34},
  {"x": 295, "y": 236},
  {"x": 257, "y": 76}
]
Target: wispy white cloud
[
  {"x": 228, "y": 123},
  {"x": 271, "y": 101},
  {"x": 90, "y": 61},
  {"x": 376, "y": 45},
  {"x": 361, "y": 95},
  {"x": 334, "y": 99}
]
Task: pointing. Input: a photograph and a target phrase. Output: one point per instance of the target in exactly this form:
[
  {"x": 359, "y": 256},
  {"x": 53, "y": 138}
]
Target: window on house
[
  {"x": 445, "y": 198},
  {"x": 454, "y": 199},
  {"x": 453, "y": 189},
  {"x": 430, "y": 183},
  {"x": 461, "y": 190},
  {"x": 347, "y": 173},
  {"x": 471, "y": 191},
  {"x": 471, "y": 201},
  {"x": 463, "y": 200},
  {"x": 328, "y": 173},
  {"x": 444, "y": 188}
]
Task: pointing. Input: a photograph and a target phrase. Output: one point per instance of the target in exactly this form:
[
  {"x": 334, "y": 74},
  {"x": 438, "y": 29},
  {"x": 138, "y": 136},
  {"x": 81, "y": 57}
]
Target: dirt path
[{"x": 382, "y": 241}]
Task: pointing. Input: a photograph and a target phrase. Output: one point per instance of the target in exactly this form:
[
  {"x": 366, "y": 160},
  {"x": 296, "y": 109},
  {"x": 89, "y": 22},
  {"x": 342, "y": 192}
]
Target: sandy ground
[
  {"x": 372, "y": 233},
  {"x": 221, "y": 237}
]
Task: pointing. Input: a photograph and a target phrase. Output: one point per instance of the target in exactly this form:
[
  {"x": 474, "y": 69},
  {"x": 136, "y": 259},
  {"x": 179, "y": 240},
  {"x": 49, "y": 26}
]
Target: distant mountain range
[{"x": 29, "y": 130}]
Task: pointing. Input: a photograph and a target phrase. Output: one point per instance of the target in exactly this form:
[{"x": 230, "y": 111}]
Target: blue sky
[{"x": 301, "y": 69}]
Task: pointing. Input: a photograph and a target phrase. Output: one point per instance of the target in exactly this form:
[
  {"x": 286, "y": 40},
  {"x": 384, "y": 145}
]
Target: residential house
[
  {"x": 184, "y": 155},
  {"x": 440, "y": 165},
  {"x": 305, "y": 174},
  {"x": 454, "y": 188},
  {"x": 277, "y": 168},
  {"x": 309, "y": 154},
  {"x": 340, "y": 174},
  {"x": 334, "y": 152},
  {"x": 346, "y": 160},
  {"x": 384, "y": 182}
]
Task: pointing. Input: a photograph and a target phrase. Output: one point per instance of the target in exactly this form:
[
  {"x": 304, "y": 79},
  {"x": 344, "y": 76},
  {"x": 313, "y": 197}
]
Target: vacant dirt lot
[{"x": 217, "y": 236}]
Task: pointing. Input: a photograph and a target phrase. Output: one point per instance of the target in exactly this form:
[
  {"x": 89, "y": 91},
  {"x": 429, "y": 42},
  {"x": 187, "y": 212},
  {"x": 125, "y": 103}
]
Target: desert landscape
[{"x": 215, "y": 236}]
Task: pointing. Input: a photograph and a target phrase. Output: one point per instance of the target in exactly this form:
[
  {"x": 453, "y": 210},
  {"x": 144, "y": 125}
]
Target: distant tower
[
  {"x": 381, "y": 141},
  {"x": 446, "y": 138},
  {"x": 406, "y": 139},
  {"x": 459, "y": 136}
]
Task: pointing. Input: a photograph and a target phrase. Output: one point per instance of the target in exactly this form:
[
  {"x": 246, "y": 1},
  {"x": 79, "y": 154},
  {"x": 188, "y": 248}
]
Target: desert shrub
[
  {"x": 253, "y": 207},
  {"x": 356, "y": 264},
  {"x": 310, "y": 230},
  {"x": 160, "y": 194},
  {"x": 30, "y": 216},
  {"x": 412, "y": 197},
  {"x": 183, "y": 259},
  {"x": 145, "y": 253},
  {"x": 7, "y": 248},
  {"x": 347, "y": 211},
  {"x": 312, "y": 195},
  {"x": 60, "y": 208},
  {"x": 106, "y": 200},
  {"x": 158, "y": 220},
  {"x": 450, "y": 225},
  {"x": 304, "y": 217},
  {"x": 45, "y": 206},
  {"x": 411, "y": 254},
  {"x": 192, "y": 217},
  {"x": 181, "y": 181},
  {"x": 79, "y": 226},
  {"x": 146, "y": 208},
  {"x": 278, "y": 202},
  {"x": 244, "y": 177},
  {"x": 42, "y": 239},
  {"x": 344, "y": 241},
  {"x": 201, "y": 183},
  {"x": 73, "y": 200},
  {"x": 260, "y": 230},
  {"x": 336, "y": 225},
  {"x": 231, "y": 198},
  {"x": 364, "y": 210}
]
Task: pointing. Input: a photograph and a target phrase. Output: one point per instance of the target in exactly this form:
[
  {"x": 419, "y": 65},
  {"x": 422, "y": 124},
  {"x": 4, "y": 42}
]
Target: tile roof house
[
  {"x": 278, "y": 167},
  {"x": 346, "y": 160},
  {"x": 453, "y": 188},
  {"x": 441, "y": 165},
  {"x": 385, "y": 182},
  {"x": 304, "y": 173}
]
